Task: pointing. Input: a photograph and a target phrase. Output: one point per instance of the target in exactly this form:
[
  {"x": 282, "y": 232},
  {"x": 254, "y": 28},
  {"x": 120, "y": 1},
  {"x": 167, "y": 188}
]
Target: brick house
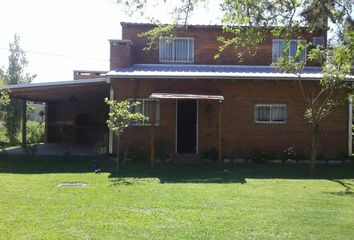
[{"x": 199, "y": 103}]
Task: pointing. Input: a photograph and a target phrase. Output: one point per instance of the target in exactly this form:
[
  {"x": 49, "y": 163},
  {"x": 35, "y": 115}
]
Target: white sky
[{"x": 77, "y": 30}]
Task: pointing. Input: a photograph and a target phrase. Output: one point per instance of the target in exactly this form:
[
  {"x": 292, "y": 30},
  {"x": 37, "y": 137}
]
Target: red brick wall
[
  {"x": 239, "y": 132},
  {"x": 64, "y": 128},
  {"x": 121, "y": 54},
  {"x": 206, "y": 46}
]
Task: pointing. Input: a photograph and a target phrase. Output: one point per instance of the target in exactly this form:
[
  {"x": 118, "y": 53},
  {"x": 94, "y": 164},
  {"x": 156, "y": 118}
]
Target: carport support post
[
  {"x": 153, "y": 133},
  {"x": 24, "y": 123},
  {"x": 220, "y": 161},
  {"x": 46, "y": 119}
]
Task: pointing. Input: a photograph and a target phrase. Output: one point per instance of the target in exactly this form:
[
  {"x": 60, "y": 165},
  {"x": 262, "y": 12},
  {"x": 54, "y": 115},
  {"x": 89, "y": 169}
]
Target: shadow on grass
[
  {"x": 21, "y": 164},
  {"x": 233, "y": 173},
  {"x": 348, "y": 188},
  {"x": 134, "y": 173}
]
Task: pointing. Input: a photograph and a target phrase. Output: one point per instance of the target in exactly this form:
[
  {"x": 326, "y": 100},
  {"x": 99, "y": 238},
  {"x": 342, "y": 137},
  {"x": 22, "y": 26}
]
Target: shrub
[
  {"x": 137, "y": 154},
  {"x": 100, "y": 147},
  {"x": 163, "y": 148},
  {"x": 210, "y": 154},
  {"x": 2, "y": 147},
  {"x": 302, "y": 156},
  {"x": 35, "y": 131},
  {"x": 30, "y": 148},
  {"x": 288, "y": 154},
  {"x": 263, "y": 156}
]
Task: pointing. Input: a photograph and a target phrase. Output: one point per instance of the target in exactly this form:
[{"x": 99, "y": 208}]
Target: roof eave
[{"x": 123, "y": 76}]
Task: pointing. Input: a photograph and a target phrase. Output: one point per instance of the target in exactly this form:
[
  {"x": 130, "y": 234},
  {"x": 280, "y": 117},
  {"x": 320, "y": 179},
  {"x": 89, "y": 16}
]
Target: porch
[{"x": 187, "y": 124}]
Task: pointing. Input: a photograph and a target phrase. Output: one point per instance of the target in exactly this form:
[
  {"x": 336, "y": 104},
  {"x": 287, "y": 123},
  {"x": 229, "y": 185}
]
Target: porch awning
[{"x": 186, "y": 96}]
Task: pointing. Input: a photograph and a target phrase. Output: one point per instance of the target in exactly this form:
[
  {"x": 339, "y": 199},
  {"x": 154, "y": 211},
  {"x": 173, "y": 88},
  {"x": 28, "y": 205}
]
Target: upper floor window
[
  {"x": 282, "y": 47},
  {"x": 176, "y": 50},
  {"x": 144, "y": 108},
  {"x": 318, "y": 41}
]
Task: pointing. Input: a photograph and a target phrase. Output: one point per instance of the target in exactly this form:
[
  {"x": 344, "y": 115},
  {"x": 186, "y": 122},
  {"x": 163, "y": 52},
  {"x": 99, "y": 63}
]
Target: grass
[{"x": 173, "y": 202}]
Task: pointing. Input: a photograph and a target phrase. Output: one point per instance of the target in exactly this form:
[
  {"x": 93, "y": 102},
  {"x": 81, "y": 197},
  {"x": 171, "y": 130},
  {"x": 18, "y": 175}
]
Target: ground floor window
[
  {"x": 144, "y": 108},
  {"x": 270, "y": 113}
]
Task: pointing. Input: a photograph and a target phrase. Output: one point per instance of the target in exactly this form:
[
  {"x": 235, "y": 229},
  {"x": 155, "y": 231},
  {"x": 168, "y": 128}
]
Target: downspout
[{"x": 110, "y": 133}]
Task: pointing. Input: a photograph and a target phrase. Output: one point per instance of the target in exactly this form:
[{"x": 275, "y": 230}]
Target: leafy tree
[
  {"x": 4, "y": 98},
  {"x": 15, "y": 74},
  {"x": 120, "y": 117},
  {"x": 249, "y": 22}
]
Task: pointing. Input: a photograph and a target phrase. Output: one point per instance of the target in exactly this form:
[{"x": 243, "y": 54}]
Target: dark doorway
[{"x": 186, "y": 126}]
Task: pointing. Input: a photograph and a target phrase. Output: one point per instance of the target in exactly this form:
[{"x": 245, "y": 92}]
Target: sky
[{"x": 60, "y": 36}]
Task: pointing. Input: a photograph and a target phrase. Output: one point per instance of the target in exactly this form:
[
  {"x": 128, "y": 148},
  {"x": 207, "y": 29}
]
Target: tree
[
  {"x": 248, "y": 22},
  {"x": 4, "y": 97},
  {"x": 15, "y": 74},
  {"x": 120, "y": 117}
]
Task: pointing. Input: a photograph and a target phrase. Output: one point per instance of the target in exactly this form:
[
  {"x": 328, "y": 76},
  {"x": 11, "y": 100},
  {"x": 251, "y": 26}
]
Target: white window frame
[
  {"x": 146, "y": 113},
  {"x": 275, "y": 51},
  {"x": 273, "y": 105},
  {"x": 187, "y": 59}
]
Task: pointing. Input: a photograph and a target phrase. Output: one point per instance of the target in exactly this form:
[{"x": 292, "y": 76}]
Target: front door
[{"x": 186, "y": 126}]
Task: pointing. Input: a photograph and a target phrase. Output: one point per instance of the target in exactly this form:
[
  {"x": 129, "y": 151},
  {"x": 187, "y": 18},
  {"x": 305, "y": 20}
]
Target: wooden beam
[
  {"x": 220, "y": 161},
  {"x": 153, "y": 133},
  {"x": 24, "y": 123}
]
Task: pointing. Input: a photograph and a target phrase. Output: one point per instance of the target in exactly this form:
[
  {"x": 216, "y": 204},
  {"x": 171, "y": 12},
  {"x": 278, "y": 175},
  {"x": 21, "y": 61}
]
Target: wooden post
[
  {"x": 24, "y": 123},
  {"x": 46, "y": 121},
  {"x": 153, "y": 133},
  {"x": 220, "y": 161},
  {"x": 350, "y": 127}
]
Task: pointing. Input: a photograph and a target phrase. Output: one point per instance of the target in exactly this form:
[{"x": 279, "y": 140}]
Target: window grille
[
  {"x": 177, "y": 50},
  {"x": 270, "y": 113},
  {"x": 144, "y": 108},
  {"x": 282, "y": 47}
]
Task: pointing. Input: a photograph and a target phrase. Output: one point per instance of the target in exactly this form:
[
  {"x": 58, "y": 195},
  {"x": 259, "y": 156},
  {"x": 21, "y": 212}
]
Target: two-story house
[{"x": 198, "y": 103}]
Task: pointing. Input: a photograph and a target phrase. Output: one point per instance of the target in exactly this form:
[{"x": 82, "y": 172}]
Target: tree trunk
[
  {"x": 118, "y": 143},
  {"x": 314, "y": 149}
]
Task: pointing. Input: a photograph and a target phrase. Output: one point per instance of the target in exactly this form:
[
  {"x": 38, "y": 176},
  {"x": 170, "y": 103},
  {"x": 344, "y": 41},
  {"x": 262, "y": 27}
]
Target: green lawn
[{"x": 173, "y": 202}]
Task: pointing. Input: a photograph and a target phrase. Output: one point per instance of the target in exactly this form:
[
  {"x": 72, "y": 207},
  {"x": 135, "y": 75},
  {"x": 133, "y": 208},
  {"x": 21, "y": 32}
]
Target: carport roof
[{"x": 51, "y": 91}]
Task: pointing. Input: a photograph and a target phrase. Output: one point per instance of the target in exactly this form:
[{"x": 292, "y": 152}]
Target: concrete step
[{"x": 186, "y": 158}]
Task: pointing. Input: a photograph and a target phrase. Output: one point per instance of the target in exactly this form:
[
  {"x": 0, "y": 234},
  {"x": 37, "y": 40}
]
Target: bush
[
  {"x": 210, "y": 154},
  {"x": 263, "y": 156},
  {"x": 163, "y": 149},
  {"x": 35, "y": 132},
  {"x": 342, "y": 156},
  {"x": 30, "y": 148},
  {"x": 137, "y": 154},
  {"x": 288, "y": 154}
]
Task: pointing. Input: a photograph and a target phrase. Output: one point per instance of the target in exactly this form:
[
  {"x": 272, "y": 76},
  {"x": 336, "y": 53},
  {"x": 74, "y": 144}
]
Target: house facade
[{"x": 196, "y": 103}]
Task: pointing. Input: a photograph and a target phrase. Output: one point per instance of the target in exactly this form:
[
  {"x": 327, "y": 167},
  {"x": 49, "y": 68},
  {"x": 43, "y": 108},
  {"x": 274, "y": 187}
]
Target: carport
[{"x": 75, "y": 112}]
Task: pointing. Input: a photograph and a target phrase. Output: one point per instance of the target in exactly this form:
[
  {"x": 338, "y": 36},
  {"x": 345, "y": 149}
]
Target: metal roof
[
  {"x": 186, "y": 96},
  {"x": 57, "y": 84},
  {"x": 194, "y": 71}
]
